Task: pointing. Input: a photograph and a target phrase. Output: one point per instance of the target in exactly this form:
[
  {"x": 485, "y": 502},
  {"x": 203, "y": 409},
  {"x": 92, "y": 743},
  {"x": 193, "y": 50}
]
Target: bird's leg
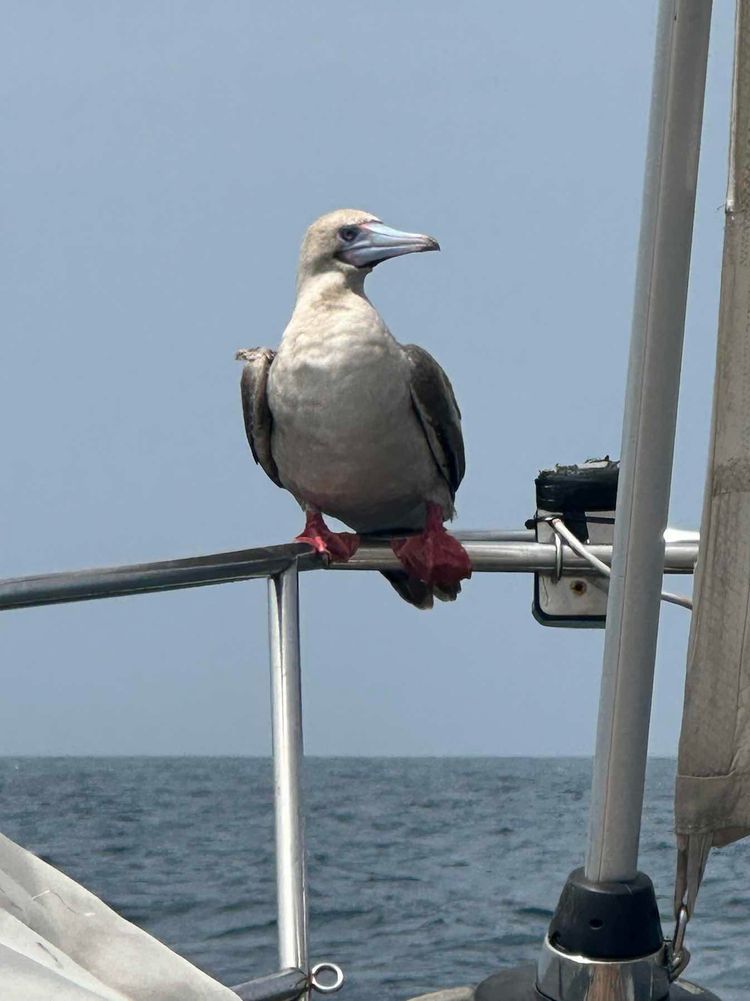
[
  {"x": 433, "y": 555},
  {"x": 338, "y": 545}
]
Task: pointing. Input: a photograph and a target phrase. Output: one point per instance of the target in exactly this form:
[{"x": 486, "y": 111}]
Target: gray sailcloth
[
  {"x": 58, "y": 942},
  {"x": 712, "y": 803}
]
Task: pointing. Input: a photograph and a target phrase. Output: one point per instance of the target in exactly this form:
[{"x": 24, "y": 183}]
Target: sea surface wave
[{"x": 424, "y": 872}]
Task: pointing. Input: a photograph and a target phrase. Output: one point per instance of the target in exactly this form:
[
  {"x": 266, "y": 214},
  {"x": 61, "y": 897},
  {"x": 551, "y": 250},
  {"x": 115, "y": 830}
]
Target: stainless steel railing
[
  {"x": 490, "y": 552},
  {"x": 286, "y": 711}
]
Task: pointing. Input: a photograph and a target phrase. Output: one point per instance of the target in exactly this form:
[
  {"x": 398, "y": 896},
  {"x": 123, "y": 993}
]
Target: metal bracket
[{"x": 562, "y": 597}]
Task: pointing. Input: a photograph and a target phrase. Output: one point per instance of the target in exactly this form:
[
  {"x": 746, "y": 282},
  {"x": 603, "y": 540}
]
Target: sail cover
[
  {"x": 712, "y": 805},
  {"x": 57, "y": 940}
]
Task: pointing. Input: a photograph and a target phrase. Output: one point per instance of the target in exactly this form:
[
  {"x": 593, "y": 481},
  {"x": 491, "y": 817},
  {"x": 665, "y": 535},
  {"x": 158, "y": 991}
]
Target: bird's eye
[{"x": 348, "y": 233}]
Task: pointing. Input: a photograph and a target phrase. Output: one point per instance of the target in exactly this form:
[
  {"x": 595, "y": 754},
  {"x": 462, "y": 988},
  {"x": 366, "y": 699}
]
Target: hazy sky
[{"x": 161, "y": 162}]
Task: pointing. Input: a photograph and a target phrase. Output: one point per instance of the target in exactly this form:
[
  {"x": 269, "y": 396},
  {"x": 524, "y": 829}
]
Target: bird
[{"x": 354, "y": 424}]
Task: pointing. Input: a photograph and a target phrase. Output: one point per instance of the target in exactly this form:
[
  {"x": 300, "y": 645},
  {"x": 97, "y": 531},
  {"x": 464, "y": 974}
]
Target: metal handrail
[
  {"x": 514, "y": 551},
  {"x": 490, "y": 552}
]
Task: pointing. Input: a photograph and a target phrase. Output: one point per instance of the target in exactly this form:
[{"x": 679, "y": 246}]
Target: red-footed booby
[{"x": 354, "y": 424}]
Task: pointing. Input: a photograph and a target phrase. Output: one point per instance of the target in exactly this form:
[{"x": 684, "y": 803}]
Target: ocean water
[{"x": 424, "y": 873}]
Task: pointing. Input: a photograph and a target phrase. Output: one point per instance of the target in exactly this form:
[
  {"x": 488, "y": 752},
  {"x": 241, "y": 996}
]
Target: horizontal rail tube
[
  {"x": 143, "y": 578},
  {"x": 490, "y": 552},
  {"x": 519, "y": 557}
]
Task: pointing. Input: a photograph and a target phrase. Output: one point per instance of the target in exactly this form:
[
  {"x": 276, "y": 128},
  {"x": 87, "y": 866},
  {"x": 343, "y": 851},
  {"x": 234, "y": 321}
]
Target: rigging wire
[{"x": 559, "y": 527}]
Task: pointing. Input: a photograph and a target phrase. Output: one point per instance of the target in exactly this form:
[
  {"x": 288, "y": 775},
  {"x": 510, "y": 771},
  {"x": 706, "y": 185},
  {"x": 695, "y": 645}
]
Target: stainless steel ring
[{"x": 326, "y": 968}]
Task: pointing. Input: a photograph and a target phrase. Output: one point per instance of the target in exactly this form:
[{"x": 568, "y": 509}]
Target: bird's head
[{"x": 351, "y": 242}]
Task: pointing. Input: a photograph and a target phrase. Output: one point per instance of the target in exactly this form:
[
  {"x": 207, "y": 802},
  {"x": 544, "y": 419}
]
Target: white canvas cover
[
  {"x": 59, "y": 941},
  {"x": 712, "y": 805}
]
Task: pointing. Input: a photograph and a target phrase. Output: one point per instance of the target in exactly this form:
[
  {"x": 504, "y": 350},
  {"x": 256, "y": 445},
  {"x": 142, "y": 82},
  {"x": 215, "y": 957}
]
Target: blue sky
[{"x": 161, "y": 163}]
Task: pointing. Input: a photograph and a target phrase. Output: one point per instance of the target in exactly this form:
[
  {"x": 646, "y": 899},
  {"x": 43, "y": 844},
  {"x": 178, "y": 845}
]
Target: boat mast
[
  {"x": 648, "y": 439},
  {"x": 605, "y": 940}
]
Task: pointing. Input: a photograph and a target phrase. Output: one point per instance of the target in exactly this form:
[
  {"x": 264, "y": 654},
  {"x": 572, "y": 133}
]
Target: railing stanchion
[{"x": 286, "y": 715}]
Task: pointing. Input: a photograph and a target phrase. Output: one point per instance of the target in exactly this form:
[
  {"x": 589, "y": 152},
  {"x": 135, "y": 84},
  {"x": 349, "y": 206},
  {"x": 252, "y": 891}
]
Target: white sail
[
  {"x": 712, "y": 806},
  {"x": 58, "y": 940}
]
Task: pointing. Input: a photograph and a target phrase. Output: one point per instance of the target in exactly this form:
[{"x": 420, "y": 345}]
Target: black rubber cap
[
  {"x": 578, "y": 488},
  {"x": 607, "y": 920}
]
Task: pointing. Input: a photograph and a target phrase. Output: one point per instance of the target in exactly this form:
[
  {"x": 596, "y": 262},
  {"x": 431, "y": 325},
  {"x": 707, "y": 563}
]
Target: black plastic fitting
[{"x": 607, "y": 920}]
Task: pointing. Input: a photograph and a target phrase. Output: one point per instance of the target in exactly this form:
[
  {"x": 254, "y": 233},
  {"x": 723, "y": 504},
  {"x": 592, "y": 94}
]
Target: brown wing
[
  {"x": 258, "y": 419},
  {"x": 436, "y": 407}
]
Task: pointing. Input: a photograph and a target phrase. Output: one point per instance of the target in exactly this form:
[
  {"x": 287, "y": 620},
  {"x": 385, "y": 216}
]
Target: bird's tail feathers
[
  {"x": 446, "y": 592},
  {"x": 416, "y": 592}
]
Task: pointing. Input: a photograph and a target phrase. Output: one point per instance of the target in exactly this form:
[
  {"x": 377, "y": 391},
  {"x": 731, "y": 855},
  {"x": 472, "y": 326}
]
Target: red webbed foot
[
  {"x": 433, "y": 556},
  {"x": 338, "y": 545}
]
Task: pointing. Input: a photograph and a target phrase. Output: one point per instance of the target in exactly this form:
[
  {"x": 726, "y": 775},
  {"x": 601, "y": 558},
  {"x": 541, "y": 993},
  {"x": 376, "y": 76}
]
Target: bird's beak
[{"x": 376, "y": 243}]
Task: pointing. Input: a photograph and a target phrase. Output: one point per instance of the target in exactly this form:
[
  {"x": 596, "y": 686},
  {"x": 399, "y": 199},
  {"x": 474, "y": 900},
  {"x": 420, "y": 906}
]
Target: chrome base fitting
[
  {"x": 604, "y": 943},
  {"x": 519, "y": 984},
  {"x": 565, "y": 977}
]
